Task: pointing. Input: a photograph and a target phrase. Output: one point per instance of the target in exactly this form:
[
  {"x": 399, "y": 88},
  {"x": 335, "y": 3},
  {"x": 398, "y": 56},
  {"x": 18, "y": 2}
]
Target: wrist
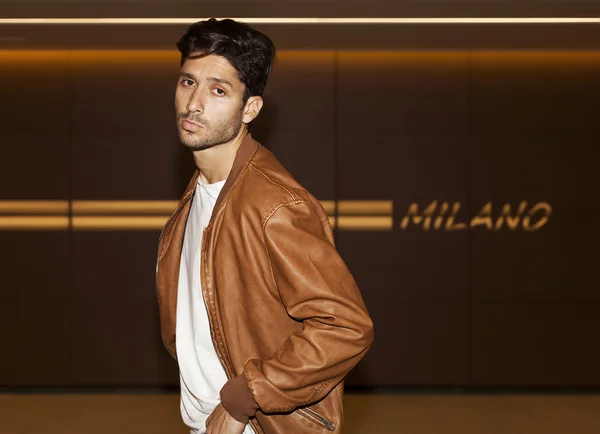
[{"x": 237, "y": 399}]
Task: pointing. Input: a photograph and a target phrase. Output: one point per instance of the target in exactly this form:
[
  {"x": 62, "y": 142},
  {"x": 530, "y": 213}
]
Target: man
[{"x": 256, "y": 305}]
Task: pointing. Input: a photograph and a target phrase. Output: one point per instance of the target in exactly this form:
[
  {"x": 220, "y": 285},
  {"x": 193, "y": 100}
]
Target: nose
[{"x": 195, "y": 103}]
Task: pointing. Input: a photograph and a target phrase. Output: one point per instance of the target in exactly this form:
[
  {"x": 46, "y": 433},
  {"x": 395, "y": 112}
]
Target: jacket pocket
[{"x": 316, "y": 418}]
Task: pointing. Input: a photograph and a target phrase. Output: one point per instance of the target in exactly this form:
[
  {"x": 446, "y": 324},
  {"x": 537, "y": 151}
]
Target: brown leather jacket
[{"x": 286, "y": 316}]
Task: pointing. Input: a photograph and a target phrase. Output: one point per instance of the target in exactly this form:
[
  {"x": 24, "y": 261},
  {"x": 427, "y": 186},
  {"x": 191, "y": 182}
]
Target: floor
[{"x": 365, "y": 414}]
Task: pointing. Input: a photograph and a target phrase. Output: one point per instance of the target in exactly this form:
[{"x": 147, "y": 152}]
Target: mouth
[{"x": 190, "y": 126}]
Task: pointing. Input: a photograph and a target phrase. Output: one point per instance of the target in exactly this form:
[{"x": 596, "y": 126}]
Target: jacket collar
[{"x": 244, "y": 153}]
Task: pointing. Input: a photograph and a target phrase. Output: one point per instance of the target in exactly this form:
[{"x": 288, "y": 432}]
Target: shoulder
[{"x": 267, "y": 185}]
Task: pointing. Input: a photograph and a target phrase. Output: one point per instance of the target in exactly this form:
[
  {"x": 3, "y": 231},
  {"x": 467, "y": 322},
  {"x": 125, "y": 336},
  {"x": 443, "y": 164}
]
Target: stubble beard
[{"x": 210, "y": 134}]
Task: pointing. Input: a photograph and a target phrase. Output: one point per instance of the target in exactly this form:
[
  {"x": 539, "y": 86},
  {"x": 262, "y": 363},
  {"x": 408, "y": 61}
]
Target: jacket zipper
[
  {"x": 174, "y": 216},
  {"x": 311, "y": 414},
  {"x": 213, "y": 325}
]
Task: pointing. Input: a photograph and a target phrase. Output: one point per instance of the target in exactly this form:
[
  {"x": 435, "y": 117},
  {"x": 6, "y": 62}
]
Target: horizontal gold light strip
[
  {"x": 362, "y": 223},
  {"x": 119, "y": 223},
  {"x": 34, "y": 223},
  {"x": 354, "y": 207},
  {"x": 34, "y": 207},
  {"x": 465, "y": 20},
  {"x": 124, "y": 207},
  {"x": 22, "y": 215},
  {"x": 157, "y": 222},
  {"x": 328, "y": 206},
  {"x": 91, "y": 223}
]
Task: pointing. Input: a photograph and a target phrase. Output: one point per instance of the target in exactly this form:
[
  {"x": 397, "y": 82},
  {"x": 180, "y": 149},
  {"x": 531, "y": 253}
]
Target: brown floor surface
[{"x": 365, "y": 414}]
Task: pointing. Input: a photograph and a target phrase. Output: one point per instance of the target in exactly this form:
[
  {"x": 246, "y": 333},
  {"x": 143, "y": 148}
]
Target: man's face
[{"x": 208, "y": 102}]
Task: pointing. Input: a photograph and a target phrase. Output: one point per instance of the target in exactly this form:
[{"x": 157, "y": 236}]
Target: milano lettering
[{"x": 445, "y": 217}]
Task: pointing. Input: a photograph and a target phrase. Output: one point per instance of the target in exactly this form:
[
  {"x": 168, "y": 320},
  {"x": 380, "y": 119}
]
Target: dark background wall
[
  {"x": 469, "y": 115},
  {"x": 299, "y": 8}
]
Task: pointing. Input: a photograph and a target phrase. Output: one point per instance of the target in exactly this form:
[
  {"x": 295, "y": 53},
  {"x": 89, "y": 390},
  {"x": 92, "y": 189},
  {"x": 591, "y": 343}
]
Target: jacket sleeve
[{"x": 317, "y": 289}]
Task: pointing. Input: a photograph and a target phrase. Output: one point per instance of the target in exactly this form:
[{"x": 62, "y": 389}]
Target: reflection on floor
[{"x": 365, "y": 414}]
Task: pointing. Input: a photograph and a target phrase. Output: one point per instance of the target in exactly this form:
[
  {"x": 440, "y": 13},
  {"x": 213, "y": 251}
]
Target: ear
[{"x": 252, "y": 108}]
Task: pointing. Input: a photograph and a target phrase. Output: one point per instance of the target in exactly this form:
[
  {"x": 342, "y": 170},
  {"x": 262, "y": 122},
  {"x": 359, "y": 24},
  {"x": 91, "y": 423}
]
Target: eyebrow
[
  {"x": 220, "y": 81},
  {"x": 213, "y": 79},
  {"x": 187, "y": 74}
]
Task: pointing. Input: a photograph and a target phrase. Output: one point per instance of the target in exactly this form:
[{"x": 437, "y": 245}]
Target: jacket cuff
[{"x": 237, "y": 399}]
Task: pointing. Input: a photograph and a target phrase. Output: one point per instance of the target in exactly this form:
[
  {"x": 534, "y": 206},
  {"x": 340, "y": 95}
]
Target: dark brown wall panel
[
  {"x": 123, "y": 121},
  {"x": 116, "y": 337},
  {"x": 535, "y": 344},
  {"x": 545, "y": 92},
  {"x": 34, "y": 125},
  {"x": 34, "y": 91},
  {"x": 125, "y": 165},
  {"x": 535, "y": 292},
  {"x": 401, "y": 92},
  {"x": 297, "y": 121},
  {"x": 543, "y": 264},
  {"x": 34, "y": 264},
  {"x": 137, "y": 86},
  {"x": 354, "y": 37},
  {"x": 36, "y": 166},
  {"x": 125, "y": 147},
  {"x": 301, "y": 8},
  {"x": 35, "y": 332},
  {"x": 115, "y": 264},
  {"x": 511, "y": 168},
  {"x": 34, "y": 150},
  {"x": 117, "y": 342},
  {"x": 402, "y": 122},
  {"x": 393, "y": 268},
  {"x": 578, "y": 173},
  {"x": 417, "y": 344}
]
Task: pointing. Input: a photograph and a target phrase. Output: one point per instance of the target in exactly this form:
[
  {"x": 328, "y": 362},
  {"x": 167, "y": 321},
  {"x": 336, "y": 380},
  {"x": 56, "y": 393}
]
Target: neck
[{"x": 215, "y": 163}]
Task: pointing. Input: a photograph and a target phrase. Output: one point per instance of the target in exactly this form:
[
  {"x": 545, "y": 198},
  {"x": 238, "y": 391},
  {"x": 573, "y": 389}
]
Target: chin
[
  {"x": 191, "y": 145},
  {"x": 194, "y": 146},
  {"x": 187, "y": 139}
]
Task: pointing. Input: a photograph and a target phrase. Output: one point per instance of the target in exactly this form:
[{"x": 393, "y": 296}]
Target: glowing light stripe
[
  {"x": 129, "y": 223},
  {"x": 157, "y": 222},
  {"x": 87, "y": 215},
  {"x": 124, "y": 207},
  {"x": 144, "y": 207},
  {"x": 362, "y": 223},
  {"x": 34, "y": 207},
  {"x": 372, "y": 207},
  {"x": 353, "y": 207},
  {"x": 14, "y": 223},
  {"x": 118, "y": 223},
  {"x": 160, "y": 21},
  {"x": 328, "y": 206}
]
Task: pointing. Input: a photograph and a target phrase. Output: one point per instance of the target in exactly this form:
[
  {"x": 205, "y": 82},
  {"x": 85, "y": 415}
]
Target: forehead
[{"x": 210, "y": 66}]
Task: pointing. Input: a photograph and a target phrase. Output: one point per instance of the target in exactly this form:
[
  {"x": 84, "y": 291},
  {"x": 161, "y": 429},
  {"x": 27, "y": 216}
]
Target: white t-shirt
[{"x": 200, "y": 370}]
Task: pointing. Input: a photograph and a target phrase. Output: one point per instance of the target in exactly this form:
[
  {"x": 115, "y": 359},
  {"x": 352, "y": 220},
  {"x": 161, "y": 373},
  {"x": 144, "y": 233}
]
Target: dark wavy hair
[{"x": 249, "y": 51}]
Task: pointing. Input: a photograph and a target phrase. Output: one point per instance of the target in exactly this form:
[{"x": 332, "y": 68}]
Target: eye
[
  {"x": 218, "y": 91},
  {"x": 187, "y": 82}
]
